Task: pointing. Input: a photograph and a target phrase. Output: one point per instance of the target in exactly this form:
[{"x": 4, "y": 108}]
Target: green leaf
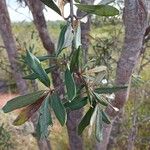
[
  {"x": 80, "y": 89},
  {"x": 22, "y": 101},
  {"x": 85, "y": 120},
  {"x": 105, "y": 118},
  {"x": 74, "y": 64},
  {"x": 77, "y": 36},
  {"x": 70, "y": 85},
  {"x": 100, "y": 99},
  {"x": 77, "y": 1},
  {"x": 101, "y": 10},
  {"x": 44, "y": 119},
  {"x": 93, "y": 117},
  {"x": 36, "y": 67},
  {"x": 61, "y": 39},
  {"x": 68, "y": 36},
  {"x": 65, "y": 38},
  {"x": 76, "y": 104},
  {"x": 105, "y": 2},
  {"x": 52, "y": 5},
  {"x": 27, "y": 112},
  {"x": 58, "y": 108},
  {"x": 99, "y": 126},
  {"x": 47, "y": 57},
  {"x": 34, "y": 76},
  {"x": 109, "y": 90}
]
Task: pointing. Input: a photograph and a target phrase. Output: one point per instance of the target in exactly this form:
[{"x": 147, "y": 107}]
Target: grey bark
[
  {"x": 9, "y": 42},
  {"x": 116, "y": 130},
  {"x": 135, "y": 20},
  {"x": 73, "y": 119}
]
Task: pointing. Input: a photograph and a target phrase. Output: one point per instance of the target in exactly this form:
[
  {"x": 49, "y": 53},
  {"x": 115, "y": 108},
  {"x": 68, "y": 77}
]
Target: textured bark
[
  {"x": 135, "y": 20},
  {"x": 9, "y": 42},
  {"x": 73, "y": 119},
  {"x": 75, "y": 141},
  {"x": 116, "y": 131}
]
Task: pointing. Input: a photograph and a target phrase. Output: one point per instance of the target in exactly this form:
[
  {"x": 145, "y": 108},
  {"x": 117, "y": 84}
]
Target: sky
[{"x": 18, "y": 13}]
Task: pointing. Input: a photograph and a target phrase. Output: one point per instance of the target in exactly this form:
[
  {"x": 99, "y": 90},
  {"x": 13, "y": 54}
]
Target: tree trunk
[
  {"x": 75, "y": 141},
  {"x": 116, "y": 130},
  {"x": 9, "y": 42},
  {"x": 135, "y": 20}
]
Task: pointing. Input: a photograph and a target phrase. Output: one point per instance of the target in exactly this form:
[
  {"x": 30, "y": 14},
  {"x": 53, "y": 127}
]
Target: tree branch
[{"x": 71, "y": 11}]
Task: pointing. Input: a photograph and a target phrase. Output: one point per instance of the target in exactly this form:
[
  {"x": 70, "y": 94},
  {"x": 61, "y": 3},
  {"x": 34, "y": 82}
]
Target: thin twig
[{"x": 71, "y": 11}]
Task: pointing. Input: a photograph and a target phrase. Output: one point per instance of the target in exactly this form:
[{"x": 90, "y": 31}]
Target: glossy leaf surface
[
  {"x": 76, "y": 104},
  {"x": 85, "y": 121},
  {"x": 27, "y": 112},
  {"x": 99, "y": 126},
  {"x": 58, "y": 108},
  {"x": 70, "y": 85},
  {"x": 44, "y": 119},
  {"x": 101, "y": 10},
  {"x": 105, "y": 118},
  {"x": 36, "y": 67},
  {"x": 109, "y": 90},
  {"x": 52, "y": 5},
  {"x": 34, "y": 76},
  {"x": 22, "y": 101},
  {"x": 74, "y": 64}
]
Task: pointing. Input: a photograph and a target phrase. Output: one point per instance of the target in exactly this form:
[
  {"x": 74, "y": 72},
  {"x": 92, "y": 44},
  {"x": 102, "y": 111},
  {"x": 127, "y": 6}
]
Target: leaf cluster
[{"x": 82, "y": 83}]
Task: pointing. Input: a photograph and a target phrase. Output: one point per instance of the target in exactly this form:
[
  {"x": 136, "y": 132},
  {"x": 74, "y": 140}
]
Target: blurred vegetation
[
  {"x": 106, "y": 39},
  {"x": 5, "y": 138}
]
